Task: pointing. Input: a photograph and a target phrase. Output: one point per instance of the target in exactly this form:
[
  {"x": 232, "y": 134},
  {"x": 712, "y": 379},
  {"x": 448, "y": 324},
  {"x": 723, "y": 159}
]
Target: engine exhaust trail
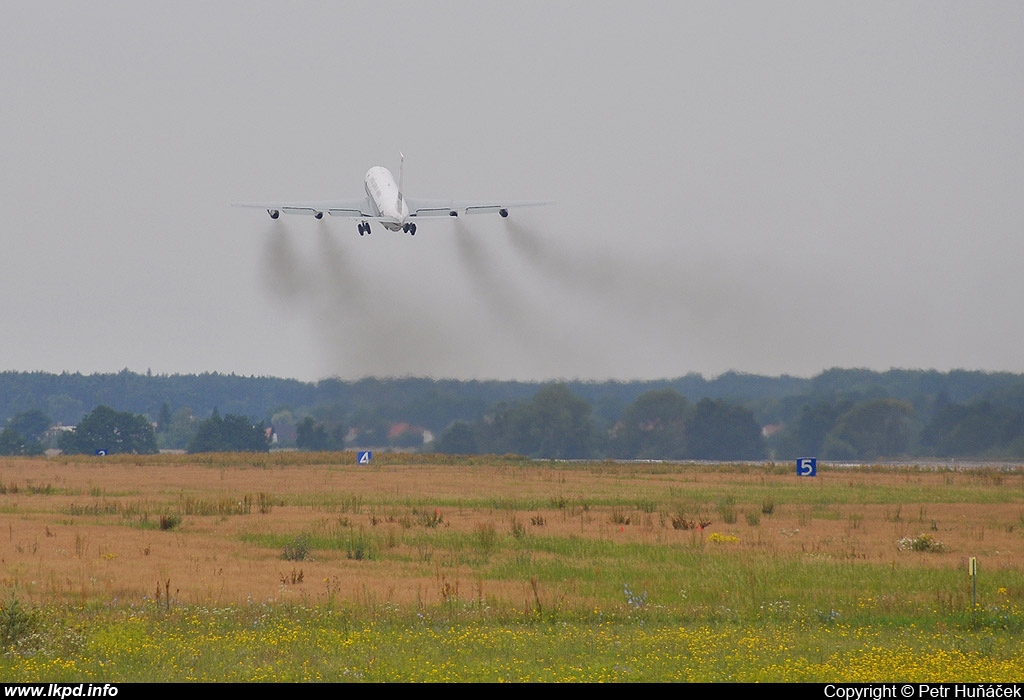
[
  {"x": 529, "y": 329},
  {"x": 488, "y": 282},
  {"x": 575, "y": 270},
  {"x": 337, "y": 278},
  {"x": 284, "y": 275},
  {"x": 372, "y": 327},
  {"x": 673, "y": 303},
  {"x": 356, "y": 322},
  {"x": 704, "y": 290}
]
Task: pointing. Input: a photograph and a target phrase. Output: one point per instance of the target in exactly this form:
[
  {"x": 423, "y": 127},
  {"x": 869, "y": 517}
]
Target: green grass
[{"x": 471, "y": 642}]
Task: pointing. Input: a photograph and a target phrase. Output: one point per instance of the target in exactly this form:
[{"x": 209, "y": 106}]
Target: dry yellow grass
[{"x": 72, "y": 527}]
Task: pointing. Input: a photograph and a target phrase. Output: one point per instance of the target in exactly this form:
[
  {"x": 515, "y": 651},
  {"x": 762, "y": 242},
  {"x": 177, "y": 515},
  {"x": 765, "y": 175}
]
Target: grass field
[{"x": 295, "y": 566}]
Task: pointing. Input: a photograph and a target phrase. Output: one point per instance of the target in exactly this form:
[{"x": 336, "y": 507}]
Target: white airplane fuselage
[{"x": 386, "y": 197}]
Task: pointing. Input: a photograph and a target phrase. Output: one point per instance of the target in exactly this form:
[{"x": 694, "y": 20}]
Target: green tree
[
  {"x": 229, "y": 434},
  {"x": 872, "y": 429},
  {"x": 285, "y": 428},
  {"x": 14, "y": 443},
  {"x": 179, "y": 431},
  {"x": 110, "y": 431},
  {"x": 655, "y": 426},
  {"x": 163, "y": 421},
  {"x": 24, "y": 433},
  {"x": 316, "y": 437},
  {"x": 31, "y": 424},
  {"x": 978, "y": 429},
  {"x": 725, "y": 431},
  {"x": 458, "y": 439},
  {"x": 555, "y": 424},
  {"x": 815, "y": 423}
]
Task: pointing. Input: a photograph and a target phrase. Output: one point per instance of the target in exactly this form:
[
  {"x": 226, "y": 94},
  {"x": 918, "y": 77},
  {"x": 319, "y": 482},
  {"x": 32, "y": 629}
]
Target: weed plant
[{"x": 297, "y": 549}]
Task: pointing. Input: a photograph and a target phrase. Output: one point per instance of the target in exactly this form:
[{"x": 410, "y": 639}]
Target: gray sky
[{"x": 763, "y": 187}]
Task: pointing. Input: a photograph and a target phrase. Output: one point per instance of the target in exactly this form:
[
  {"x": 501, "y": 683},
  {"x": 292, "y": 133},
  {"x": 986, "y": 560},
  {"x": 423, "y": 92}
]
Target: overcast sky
[{"x": 754, "y": 186}]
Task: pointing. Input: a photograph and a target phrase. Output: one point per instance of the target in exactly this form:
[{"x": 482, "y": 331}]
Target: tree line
[
  {"x": 838, "y": 415},
  {"x": 660, "y": 424},
  {"x": 106, "y": 431}
]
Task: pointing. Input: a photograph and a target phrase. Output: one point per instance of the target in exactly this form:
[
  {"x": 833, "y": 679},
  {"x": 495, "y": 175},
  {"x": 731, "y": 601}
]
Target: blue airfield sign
[
  {"x": 807, "y": 467},
  {"x": 365, "y": 457}
]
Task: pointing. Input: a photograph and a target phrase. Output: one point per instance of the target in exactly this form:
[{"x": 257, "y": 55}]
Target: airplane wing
[
  {"x": 456, "y": 207},
  {"x": 364, "y": 209},
  {"x": 347, "y": 208}
]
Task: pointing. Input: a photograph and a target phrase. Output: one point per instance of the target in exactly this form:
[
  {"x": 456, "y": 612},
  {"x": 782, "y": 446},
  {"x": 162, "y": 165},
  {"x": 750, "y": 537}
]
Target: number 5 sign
[{"x": 807, "y": 467}]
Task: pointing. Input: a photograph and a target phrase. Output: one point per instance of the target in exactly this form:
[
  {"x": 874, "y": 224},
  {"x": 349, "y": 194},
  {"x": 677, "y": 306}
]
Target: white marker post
[{"x": 972, "y": 571}]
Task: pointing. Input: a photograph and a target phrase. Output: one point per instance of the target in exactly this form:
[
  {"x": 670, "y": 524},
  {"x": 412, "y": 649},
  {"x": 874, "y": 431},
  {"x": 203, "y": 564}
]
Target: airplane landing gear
[
  {"x": 410, "y": 229},
  {"x": 364, "y": 228}
]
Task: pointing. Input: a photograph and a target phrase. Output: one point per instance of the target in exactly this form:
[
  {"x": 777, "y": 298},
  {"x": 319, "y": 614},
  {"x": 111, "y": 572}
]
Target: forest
[{"x": 840, "y": 415}]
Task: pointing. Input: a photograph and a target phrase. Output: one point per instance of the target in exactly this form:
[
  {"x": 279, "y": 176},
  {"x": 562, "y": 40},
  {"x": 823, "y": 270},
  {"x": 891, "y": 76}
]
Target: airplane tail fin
[{"x": 401, "y": 168}]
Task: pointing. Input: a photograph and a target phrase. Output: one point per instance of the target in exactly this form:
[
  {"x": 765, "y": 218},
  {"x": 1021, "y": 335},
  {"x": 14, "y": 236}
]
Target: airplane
[{"x": 385, "y": 204}]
